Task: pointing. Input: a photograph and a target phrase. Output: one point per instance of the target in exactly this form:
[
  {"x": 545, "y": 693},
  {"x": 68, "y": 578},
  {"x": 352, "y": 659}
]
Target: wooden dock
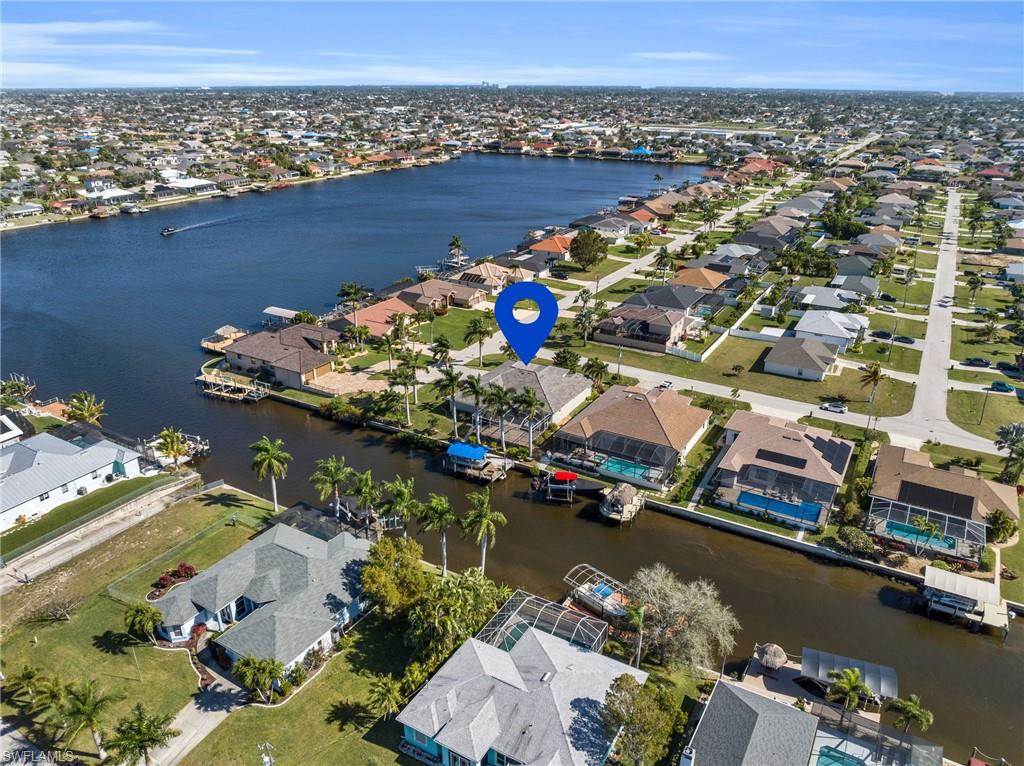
[
  {"x": 622, "y": 503},
  {"x": 217, "y": 385},
  {"x": 487, "y": 471}
]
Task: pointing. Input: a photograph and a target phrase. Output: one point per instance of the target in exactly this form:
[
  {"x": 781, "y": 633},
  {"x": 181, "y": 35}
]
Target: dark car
[
  {"x": 928, "y": 243},
  {"x": 1002, "y": 387},
  {"x": 559, "y": 274},
  {"x": 1007, "y": 367},
  {"x": 881, "y": 334},
  {"x": 904, "y": 339},
  {"x": 977, "y": 361},
  {"x": 886, "y": 297}
]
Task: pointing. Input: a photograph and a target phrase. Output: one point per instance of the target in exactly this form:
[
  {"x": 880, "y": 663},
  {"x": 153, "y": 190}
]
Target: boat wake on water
[{"x": 203, "y": 225}]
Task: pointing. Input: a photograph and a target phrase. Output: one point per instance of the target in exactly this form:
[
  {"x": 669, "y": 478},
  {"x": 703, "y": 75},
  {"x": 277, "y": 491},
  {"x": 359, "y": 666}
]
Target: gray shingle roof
[
  {"x": 538, "y": 703},
  {"x": 805, "y": 353},
  {"x": 301, "y": 580},
  {"x": 553, "y": 385},
  {"x": 741, "y": 728},
  {"x": 43, "y": 463}
]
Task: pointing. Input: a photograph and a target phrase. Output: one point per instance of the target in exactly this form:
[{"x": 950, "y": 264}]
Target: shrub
[
  {"x": 286, "y": 688},
  {"x": 198, "y": 629},
  {"x": 855, "y": 541},
  {"x": 940, "y": 564},
  {"x": 185, "y": 571},
  {"x": 898, "y": 559},
  {"x": 988, "y": 560},
  {"x": 298, "y": 674},
  {"x": 314, "y": 658},
  {"x": 165, "y": 581}
]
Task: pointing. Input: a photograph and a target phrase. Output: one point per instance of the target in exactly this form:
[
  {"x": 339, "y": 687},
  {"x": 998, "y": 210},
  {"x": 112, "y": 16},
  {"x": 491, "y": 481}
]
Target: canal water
[{"x": 112, "y": 307}]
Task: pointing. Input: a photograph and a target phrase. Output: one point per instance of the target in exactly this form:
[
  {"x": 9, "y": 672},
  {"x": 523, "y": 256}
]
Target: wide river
[{"x": 112, "y": 307}]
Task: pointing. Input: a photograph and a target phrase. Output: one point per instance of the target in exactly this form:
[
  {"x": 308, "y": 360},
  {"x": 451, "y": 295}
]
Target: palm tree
[
  {"x": 400, "y": 328},
  {"x": 911, "y": 712},
  {"x": 635, "y": 616},
  {"x": 847, "y": 687},
  {"x": 436, "y": 516},
  {"x": 926, "y": 529},
  {"x": 391, "y": 344},
  {"x": 584, "y": 322},
  {"x": 477, "y": 331},
  {"x": 24, "y": 683},
  {"x": 583, "y": 297},
  {"x": 596, "y": 370},
  {"x": 83, "y": 407},
  {"x": 172, "y": 443},
  {"x": 455, "y": 245},
  {"x": 87, "y": 706},
  {"x": 415, "y": 363},
  {"x": 269, "y": 458},
  {"x": 448, "y": 385},
  {"x": 643, "y": 241},
  {"x": 872, "y": 376},
  {"x": 359, "y": 333},
  {"x": 258, "y": 674},
  {"x": 404, "y": 376},
  {"x": 974, "y": 283},
  {"x": 529, "y": 405},
  {"x": 441, "y": 350},
  {"x": 366, "y": 490},
  {"x": 499, "y": 401},
  {"x": 664, "y": 262},
  {"x": 507, "y": 351},
  {"x": 482, "y": 522},
  {"x": 403, "y": 503},
  {"x": 137, "y": 735},
  {"x": 658, "y": 178},
  {"x": 143, "y": 619},
  {"x": 1010, "y": 437},
  {"x": 385, "y": 694},
  {"x": 989, "y": 330},
  {"x": 51, "y": 695},
  {"x": 471, "y": 386},
  {"x": 331, "y": 472},
  {"x": 353, "y": 293}
]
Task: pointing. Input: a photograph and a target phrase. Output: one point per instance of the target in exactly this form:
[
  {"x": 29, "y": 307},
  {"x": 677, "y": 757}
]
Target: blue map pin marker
[{"x": 526, "y": 338}]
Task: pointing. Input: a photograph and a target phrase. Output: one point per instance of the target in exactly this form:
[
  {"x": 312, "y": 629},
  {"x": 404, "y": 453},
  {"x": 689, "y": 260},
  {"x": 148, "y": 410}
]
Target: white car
[
  {"x": 887, "y": 309},
  {"x": 665, "y": 384},
  {"x": 839, "y": 407}
]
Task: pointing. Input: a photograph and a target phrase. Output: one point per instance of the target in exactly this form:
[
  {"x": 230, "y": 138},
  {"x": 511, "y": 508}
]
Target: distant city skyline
[{"x": 872, "y": 46}]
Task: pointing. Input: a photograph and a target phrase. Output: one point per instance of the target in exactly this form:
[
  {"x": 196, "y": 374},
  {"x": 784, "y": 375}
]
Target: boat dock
[
  {"x": 976, "y": 602},
  {"x": 622, "y": 503},
  {"x": 222, "y": 338},
  {"x": 217, "y": 385},
  {"x": 475, "y": 462}
]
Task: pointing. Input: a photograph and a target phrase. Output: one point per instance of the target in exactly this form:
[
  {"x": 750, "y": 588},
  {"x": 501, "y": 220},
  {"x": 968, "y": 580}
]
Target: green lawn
[
  {"x": 557, "y": 284},
  {"x": 893, "y": 397},
  {"x": 894, "y": 356},
  {"x": 452, "y": 325},
  {"x": 994, "y": 299},
  {"x": 622, "y": 289},
  {"x": 969, "y": 410},
  {"x": 602, "y": 269},
  {"x": 986, "y": 464},
  {"x": 898, "y": 326},
  {"x": 969, "y": 341},
  {"x": 328, "y": 720},
  {"x": 365, "y": 361},
  {"x": 307, "y": 397},
  {"x": 93, "y": 644},
  {"x": 919, "y": 292},
  {"x": 64, "y": 517},
  {"x": 983, "y": 376},
  {"x": 747, "y": 519},
  {"x": 1013, "y": 557},
  {"x": 844, "y": 430},
  {"x": 43, "y": 423}
]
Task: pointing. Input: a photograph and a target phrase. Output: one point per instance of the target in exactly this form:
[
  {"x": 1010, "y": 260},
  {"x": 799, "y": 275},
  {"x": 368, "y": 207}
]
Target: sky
[{"x": 931, "y": 46}]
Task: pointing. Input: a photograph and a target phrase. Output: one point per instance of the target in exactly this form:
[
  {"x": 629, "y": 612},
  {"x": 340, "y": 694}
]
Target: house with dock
[
  {"x": 632, "y": 434},
  {"x": 908, "y": 489},
  {"x": 780, "y": 468},
  {"x": 278, "y": 596},
  {"x": 378, "y": 317},
  {"x": 294, "y": 355}
]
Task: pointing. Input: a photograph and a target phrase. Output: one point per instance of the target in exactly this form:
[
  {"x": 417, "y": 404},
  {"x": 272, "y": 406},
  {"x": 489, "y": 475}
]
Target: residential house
[
  {"x": 556, "y": 247},
  {"x": 278, "y": 597},
  {"x": 863, "y": 287},
  {"x": 1013, "y": 246},
  {"x": 855, "y": 266},
  {"x": 43, "y": 471},
  {"x": 492, "y": 277},
  {"x": 682, "y": 298},
  {"x": 613, "y": 226},
  {"x": 439, "y": 294},
  {"x": 378, "y": 317},
  {"x": 634, "y": 435},
  {"x": 907, "y": 486},
  {"x": 703, "y": 279},
  {"x": 781, "y": 468},
  {"x": 648, "y": 327},
  {"x": 801, "y": 358},
  {"x": 832, "y": 327},
  {"x": 818, "y": 297},
  {"x": 775, "y": 233},
  {"x": 294, "y": 355}
]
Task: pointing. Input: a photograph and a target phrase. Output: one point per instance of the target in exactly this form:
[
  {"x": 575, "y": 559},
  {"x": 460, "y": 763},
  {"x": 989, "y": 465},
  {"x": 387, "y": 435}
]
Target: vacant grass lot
[
  {"x": 622, "y": 289},
  {"x": 1013, "y": 557},
  {"x": 893, "y": 397},
  {"x": 969, "y": 410},
  {"x": 601, "y": 270},
  {"x": 920, "y": 291},
  {"x": 898, "y": 326},
  {"x": 452, "y": 325},
  {"x": 983, "y": 376},
  {"x": 894, "y": 356},
  {"x": 992, "y": 298},
  {"x": 970, "y": 341}
]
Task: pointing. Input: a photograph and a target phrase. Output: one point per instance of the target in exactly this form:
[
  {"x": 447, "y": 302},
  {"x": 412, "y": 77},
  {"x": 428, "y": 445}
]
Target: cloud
[{"x": 681, "y": 56}]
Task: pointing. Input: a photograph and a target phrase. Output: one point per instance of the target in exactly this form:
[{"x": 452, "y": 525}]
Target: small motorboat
[{"x": 167, "y": 231}]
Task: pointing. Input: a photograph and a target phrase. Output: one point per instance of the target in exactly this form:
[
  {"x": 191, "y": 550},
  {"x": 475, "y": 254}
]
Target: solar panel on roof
[{"x": 778, "y": 457}]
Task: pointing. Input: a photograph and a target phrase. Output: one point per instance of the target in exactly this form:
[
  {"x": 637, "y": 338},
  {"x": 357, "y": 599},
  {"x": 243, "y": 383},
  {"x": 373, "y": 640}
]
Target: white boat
[
  {"x": 133, "y": 209},
  {"x": 602, "y": 598}
]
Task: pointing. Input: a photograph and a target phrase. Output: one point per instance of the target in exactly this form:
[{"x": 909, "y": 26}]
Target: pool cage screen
[
  {"x": 525, "y": 610},
  {"x": 621, "y": 446},
  {"x": 967, "y": 533}
]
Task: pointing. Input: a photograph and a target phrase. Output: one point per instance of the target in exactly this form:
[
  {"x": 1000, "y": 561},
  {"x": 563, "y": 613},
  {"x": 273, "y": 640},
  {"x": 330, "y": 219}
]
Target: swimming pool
[
  {"x": 625, "y": 467},
  {"x": 830, "y": 756},
  {"x": 805, "y": 511},
  {"x": 912, "y": 534}
]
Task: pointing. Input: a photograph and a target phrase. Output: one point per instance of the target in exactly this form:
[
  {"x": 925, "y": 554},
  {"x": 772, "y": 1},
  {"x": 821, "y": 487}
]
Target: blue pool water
[
  {"x": 912, "y": 534},
  {"x": 829, "y": 756},
  {"x": 805, "y": 512},
  {"x": 625, "y": 467}
]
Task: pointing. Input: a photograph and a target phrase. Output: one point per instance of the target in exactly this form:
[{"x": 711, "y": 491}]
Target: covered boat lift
[
  {"x": 978, "y": 602},
  {"x": 599, "y": 592},
  {"x": 475, "y": 462},
  {"x": 815, "y": 665}
]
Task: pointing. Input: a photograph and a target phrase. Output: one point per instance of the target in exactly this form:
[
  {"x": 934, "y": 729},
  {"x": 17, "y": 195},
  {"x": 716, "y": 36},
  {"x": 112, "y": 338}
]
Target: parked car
[
  {"x": 969, "y": 272},
  {"x": 559, "y": 274},
  {"x": 665, "y": 385},
  {"x": 1007, "y": 367},
  {"x": 887, "y": 297},
  {"x": 928, "y": 243},
  {"x": 839, "y": 407},
  {"x": 904, "y": 339},
  {"x": 887, "y": 309},
  {"x": 1002, "y": 387},
  {"x": 977, "y": 361},
  {"x": 980, "y": 310},
  {"x": 881, "y": 334}
]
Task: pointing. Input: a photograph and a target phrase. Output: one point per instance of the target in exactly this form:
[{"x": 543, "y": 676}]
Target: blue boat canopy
[
  {"x": 466, "y": 451},
  {"x": 641, "y": 151}
]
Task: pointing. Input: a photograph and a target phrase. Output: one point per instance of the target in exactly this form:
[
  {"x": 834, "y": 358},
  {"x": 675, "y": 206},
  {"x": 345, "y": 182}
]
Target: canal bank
[{"x": 119, "y": 312}]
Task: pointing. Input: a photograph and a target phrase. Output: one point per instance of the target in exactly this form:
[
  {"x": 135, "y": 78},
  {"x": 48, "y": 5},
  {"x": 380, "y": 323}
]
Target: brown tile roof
[
  {"x": 378, "y": 316},
  {"x": 701, "y": 278},
  {"x": 908, "y": 476},
  {"x": 295, "y": 348}
]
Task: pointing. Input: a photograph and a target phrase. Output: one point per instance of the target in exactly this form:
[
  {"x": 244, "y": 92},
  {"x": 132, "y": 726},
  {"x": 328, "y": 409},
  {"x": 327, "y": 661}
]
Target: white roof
[
  {"x": 277, "y": 311},
  {"x": 961, "y": 585},
  {"x": 832, "y": 323}
]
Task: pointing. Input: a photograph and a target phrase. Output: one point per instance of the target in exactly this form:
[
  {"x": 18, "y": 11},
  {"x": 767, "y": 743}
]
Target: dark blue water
[{"x": 112, "y": 307}]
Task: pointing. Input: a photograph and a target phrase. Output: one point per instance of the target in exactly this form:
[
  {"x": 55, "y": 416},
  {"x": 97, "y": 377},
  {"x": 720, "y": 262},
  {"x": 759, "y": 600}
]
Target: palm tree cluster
[
  {"x": 84, "y": 407},
  {"x": 259, "y": 674}
]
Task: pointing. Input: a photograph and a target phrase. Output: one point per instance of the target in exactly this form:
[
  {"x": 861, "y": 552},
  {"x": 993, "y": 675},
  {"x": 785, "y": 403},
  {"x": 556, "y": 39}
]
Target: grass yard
[
  {"x": 622, "y": 289},
  {"x": 983, "y": 376},
  {"x": 967, "y": 408},
  {"x": 1013, "y": 557},
  {"x": 898, "y": 326},
  {"x": 844, "y": 430},
  {"x": 452, "y": 325},
  {"x": 306, "y": 397},
  {"x": 919, "y": 291},
  {"x": 47, "y": 527},
  {"x": 747, "y": 519},
  {"x": 944, "y": 455},
  {"x": 893, "y": 398},
  {"x": 558, "y": 284},
  {"x": 895, "y": 357},
  {"x": 328, "y": 720},
  {"x": 601, "y": 270},
  {"x": 44, "y": 423},
  {"x": 992, "y": 298},
  {"x": 969, "y": 341}
]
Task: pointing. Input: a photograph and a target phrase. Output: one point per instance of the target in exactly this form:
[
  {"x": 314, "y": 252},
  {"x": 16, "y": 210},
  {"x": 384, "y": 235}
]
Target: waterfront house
[
  {"x": 294, "y": 355},
  {"x": 632, "y": 434},
  {"x": 379, "y": 317},
  {"x": 439, "y": 294},
  {"x": 647, "y": 327},
  {"x": 801, "y": 358},
  {"x": 277, "y": 597},
  {"x": 780, "y": 468},
  {"x": 529, "y": 698},
  {"x": 682, "y": 298},
  {"x": 492, "y": 277},
  {"x": 229, "y": 181},
  {"x": 42, "y": 472},
  {"x": 907, "y": 486},
  {"x": 832, "y": 327},
  {"x": 613, "y": 226},
  {"x": 556, "y": 247},
  {"x": 561, "y": 392}
]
